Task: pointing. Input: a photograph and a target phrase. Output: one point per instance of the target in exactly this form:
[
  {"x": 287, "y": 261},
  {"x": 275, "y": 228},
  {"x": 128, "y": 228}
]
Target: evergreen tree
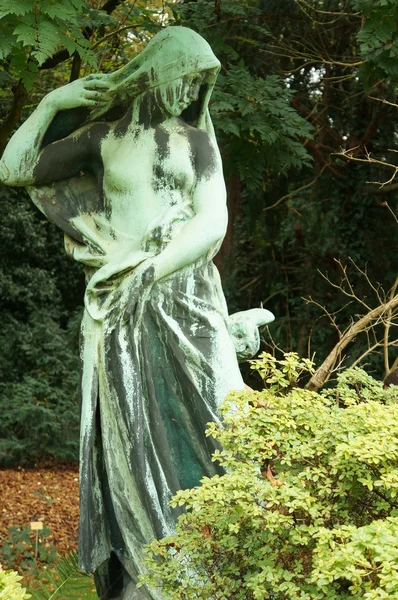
[{"x": 306, "y": 92}]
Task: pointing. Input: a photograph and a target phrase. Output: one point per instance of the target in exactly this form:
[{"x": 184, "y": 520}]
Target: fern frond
[{"x": 66, "y": 580}]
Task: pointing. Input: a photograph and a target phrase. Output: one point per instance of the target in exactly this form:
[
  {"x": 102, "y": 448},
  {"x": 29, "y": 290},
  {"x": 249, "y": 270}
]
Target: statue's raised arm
[{"x": 26, "y": 162}]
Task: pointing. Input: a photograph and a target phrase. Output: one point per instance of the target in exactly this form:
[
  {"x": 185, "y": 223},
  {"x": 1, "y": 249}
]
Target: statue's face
[
  {"x": 184, "y": 91},
  {"x": 245, "y": 337},
  {"x": 190, "y": 89},
  {"x": 243, "y": 328}
]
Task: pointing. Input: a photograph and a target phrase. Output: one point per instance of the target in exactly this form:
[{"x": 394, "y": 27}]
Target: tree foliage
[
  {"x": 305, "y": 95},
  {"x": 255, "y": 119},
  {"x": 44, "y": 45},
  {"x": 32, "y": 31},
  {"x": 335, "y": 58},
  {"x": 307, "y": 507},
  {"x": 38, "y": 338},
  {"x": 378, "y": 39}
]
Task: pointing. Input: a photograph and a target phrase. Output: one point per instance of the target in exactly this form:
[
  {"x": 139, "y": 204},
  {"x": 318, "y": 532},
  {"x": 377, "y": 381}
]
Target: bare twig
[
  {"x": 248, "y": 285},
  {"x": 282, "y": 291},
  {"x": 331, "y": 316},
  {"x": 391, "y": 211},
  {"x": 322, "y": 374},
  {"x": 368, "y": 280},
  {"x": 341, "y": 13},
  {"x": 370, "y": 350},
  {"x": 350, "y": 155},
  {"x": 273, "y": 344},
  {"x": 300, "y": 189},
  {"x": 115, "y": 32},
  {"x": 383, "y": 101},
  {"x": 388, "y": 189},
  {"x": 350, "y": 293}
]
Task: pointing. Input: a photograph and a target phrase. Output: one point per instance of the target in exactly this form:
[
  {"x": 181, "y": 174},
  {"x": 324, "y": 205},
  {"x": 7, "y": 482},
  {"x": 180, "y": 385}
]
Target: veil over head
[{"x": 171, "y": 55}]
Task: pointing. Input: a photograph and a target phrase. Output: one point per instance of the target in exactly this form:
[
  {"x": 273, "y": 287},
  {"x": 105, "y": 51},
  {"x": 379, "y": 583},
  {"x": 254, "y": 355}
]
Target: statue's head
[
  {"x": 176, "y": 72},
  {"x": 177, "y": 69},
  {"x": 243, "y": 328}
]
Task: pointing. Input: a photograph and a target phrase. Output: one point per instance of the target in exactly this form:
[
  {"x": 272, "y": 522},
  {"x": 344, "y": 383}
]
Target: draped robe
[
  {"x": 156, "y": 364},
  {"x": 157, "y": 360}
]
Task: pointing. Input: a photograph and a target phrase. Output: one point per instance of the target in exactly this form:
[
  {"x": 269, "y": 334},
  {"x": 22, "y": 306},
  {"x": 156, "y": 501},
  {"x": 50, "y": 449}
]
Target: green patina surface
[{"x": 127, "y": 165}]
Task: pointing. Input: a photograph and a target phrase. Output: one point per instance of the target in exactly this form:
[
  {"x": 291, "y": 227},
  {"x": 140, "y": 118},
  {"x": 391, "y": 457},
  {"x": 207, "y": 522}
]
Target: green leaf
[{"x": 16, "y": 7}]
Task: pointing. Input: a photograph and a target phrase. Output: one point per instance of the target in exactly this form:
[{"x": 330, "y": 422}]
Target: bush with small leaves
[
  {"x": 18, "y": 549},
  {"x": 308, "y": 506},
  {"x": 10, "y": 588}
]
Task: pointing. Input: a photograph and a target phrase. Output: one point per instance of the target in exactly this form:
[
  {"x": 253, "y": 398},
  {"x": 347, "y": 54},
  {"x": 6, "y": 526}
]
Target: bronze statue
[{"x": 127, "y": 165}]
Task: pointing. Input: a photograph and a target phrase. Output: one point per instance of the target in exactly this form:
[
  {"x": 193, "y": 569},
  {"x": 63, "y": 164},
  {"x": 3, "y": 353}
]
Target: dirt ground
[{"x": 48, "y": 493}]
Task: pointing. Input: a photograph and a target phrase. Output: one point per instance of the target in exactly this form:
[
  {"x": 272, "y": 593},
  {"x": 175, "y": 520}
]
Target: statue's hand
[{"x": 91, "y": 91}]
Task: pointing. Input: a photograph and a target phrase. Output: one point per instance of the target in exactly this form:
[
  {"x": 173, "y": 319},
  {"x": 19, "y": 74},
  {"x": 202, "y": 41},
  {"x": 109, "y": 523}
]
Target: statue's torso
[{"x": 148, "y": 174}]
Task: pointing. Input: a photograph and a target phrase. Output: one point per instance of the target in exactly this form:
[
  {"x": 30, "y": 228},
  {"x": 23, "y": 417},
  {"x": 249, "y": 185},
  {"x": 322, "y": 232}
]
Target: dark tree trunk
[
  {"x": 14, "y": 114},
  {"x": 234, "y": 205}
]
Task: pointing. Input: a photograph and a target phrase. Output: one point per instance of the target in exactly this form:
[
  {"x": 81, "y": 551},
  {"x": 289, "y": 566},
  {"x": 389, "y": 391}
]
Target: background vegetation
[{"x": 305, "y": 116}]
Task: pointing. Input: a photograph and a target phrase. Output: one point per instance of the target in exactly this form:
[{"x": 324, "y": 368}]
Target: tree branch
[
  {"x": 63, "y": 54},
  {"x": 320, "y": 158},
  {"x": 369, "y": 351},
  {"x": 300, "y": 189},
  {"x": 76, "y": 65},
  {"x": 112, "y": 33},
  {"x": 372, "y": 128},
  {"x": 110, "y": 6},
  {"x": 349, "y": 155},
  {"x": 387, "y": 189},
  {"x": 387, "y": 330},
  {"x": 322, "y": 374},
  {"x": 12, "y": 118}
]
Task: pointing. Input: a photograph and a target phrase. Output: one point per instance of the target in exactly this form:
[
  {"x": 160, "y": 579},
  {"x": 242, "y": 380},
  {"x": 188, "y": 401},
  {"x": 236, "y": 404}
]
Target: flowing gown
[{"x": 157, "y": 363}]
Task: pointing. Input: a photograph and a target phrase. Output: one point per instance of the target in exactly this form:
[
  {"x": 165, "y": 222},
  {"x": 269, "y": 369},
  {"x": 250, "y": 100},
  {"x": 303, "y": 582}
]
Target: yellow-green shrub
[
  {"x": 308, "y": 508},
  {"x": 10, "y": 588}
]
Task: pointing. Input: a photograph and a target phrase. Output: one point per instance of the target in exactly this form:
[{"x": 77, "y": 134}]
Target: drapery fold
[{"x": 150, "y": 385}]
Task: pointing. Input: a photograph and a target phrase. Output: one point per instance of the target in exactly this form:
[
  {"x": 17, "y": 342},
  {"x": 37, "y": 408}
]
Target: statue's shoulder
[
  {"x": 180, "y": 126},
  {"x": 199, "y": 140}
]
